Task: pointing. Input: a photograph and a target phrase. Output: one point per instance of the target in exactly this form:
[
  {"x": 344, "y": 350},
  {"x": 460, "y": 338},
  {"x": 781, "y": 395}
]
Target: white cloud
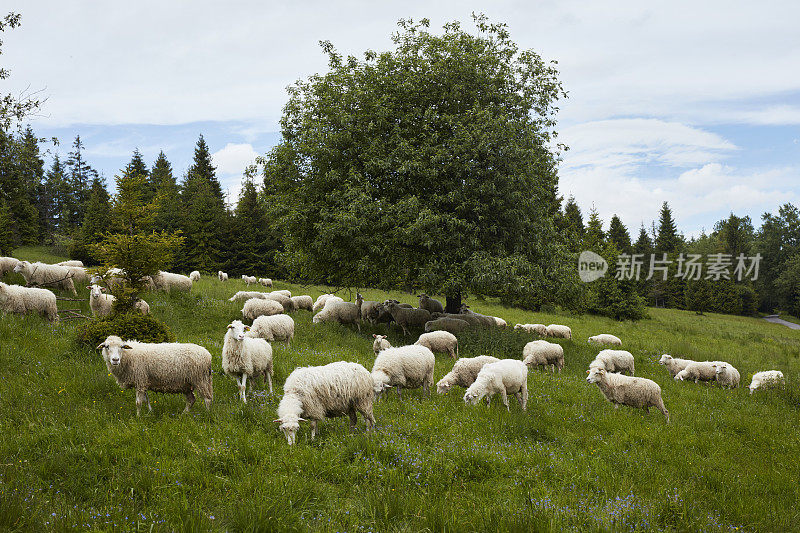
[
  {"x": 234, "y": 158},
  {"x": 780, "y": 115}
]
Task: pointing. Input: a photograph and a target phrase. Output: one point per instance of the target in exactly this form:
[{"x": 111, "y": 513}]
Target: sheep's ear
[
  {"x": 230, "y": 326},
  {"x": 88, "y": 286},
  {"x": 302, "y": 420},
  {"x": 247, "y": 328},
  {"x": 127, "y": 347},
  {"x": 588, "y": 371},
  {"x": 103, "y": 289},
  {"x": 374, "y": 336},
  {"x": 278, "y": 421},
  {"x": 100, "y": 346}
]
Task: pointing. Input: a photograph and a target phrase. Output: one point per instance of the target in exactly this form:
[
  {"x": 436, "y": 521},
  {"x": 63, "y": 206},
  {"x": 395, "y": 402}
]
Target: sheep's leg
[
  {"x": 487, "y": 400},
  {"x": 504, "y": 397},
  {"x": 147, "y": 399},
  {"x": 366, "y": 411},
  {"x": 190, "y": 399},
  {"x": 243, "y": 388},
  {"x": 400, "y": 392},
  {"x": 524, "y": 395},
  {"x": 358, "y": 323},
  {"x": 140, "y": 398},
  {"x": 353, "y": 418},
  {"x": 313, "y": 429},
  {"x": 268, "y": 377}
]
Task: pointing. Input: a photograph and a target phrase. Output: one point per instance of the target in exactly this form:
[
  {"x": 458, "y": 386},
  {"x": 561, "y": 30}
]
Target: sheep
[
  {"x": 698, "y": 371},
  {"x": 39, "y": 274},
  {"x": 302, "y": 302},
  {"x": 168, "y": 282},
  {"x": 18, "y": 299},
  {"x": 505, "y": 377},
  {"x": 673, "y": 364},
  {"x": 452, "y": 325},
  {"x": 102, "y": 304},
  {"x": 727, "y": 375},
  {"x": 472, "y": 319},
  {"x": 614, "y": 361},
  {"x": 194, "y": 275},
  {"x": 539, "y": 329},
  {"x": 605, "y": 338},
  {"x": 767, "y": 379},
  {"x": 256, "y": 307},
  {"x": 247, "y": 295},
  {"x": 641, "y": 393},
  {"x": 479, "y": 319},
  {"x": 440, "y": 341},
  {"x": 71, "y": 263},
  {"x": 368, "y": 309},
  {"x": 543, "y": 353},
  {"x": 266, "y": 282},
  {"x": 79, "y": 274},
  {"x": 7, "y": 265},
  {"x": 273, "y": 328},
  {"x": 113, "y": 279},
  {"x": 339, "y": 311},
  {"x": 464, "y": 372},
  {"x": 431, "y": 305},
  {"x": 244, "y": 356},
  {"x": 556, "y": 330},
  {"x": 319, "y": 303},
  {"x": 380, "y": 343},
  {"x": 222, "y": 276},
  {"x": 166, "y": 367},
  {"x": 499, "y": 322},
  {"x": 404, "y": 367},
  {"x": 249, "y": 280},
  {"x": 406, "y": 318},
  {"x": 376, "y": 314},
  {"x": 142, "y": 306},
  {"x": 284, "y": 292},
  {"x": 285, "y": 301},
  {"x": 314, "y": 393}
]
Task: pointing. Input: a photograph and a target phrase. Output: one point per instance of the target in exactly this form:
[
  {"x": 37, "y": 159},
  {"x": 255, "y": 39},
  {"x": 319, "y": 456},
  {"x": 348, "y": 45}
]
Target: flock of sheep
[{"x": 345, "y": 388}]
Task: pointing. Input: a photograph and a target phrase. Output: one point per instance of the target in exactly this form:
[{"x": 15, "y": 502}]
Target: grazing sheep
[
  {"x": 499, "y": 322},
  {"x": 223, "y": 276},
  {"x": 256, "y": 307},
  {"x": 194, "y": 275},
  {"x": 605, "y": 338},
  {"x": 339, "y": 311},
  {"x": 166, "y": 367},
  {"x": 319, "y": 303},
  {"x": 303, "y": 301},
  {"x": 727, "y": 375},
  {"x": 380, "y": 343},
  {"x": 614, "y": 361},
  {"x": 767, "y": 379},
  {"x": 249, "y": 280},
  {"x": 464, "y": 372},
  {"x": 7, "y": 265},
  {"x": 369, "y": 309},
  {"x": 42, "y": 274},
  {"x": 440, "y": 341},
  {"x": 406, "y": 317},
  {"x": 79, "y": 274},
  {"x": 313, "y": 393},
  {"x": 404, "y": 367},
  {"x": 265, "y": 282},
  {"x": 285, "y": 292},
  {"x": 244, "y": 356},
  {"x": 431, "y": 305},
  {"x": 543, "y": 354},
  {"x": 71, "y": 263},
  {"x": 285, "y": 301},
  {"x": 539, "y": 329},
  {"x": 273, "y": 328},
  {"x": 452, "y": 325},
  {"x": 478, "y": 319},
  {"x": 505, "y": 377},
  {"x": 559, "y": 331},
  {"x": 673, "y": 364},
  {"x": 22, "y": 300},
  {"x": 472, "y": 319},
  {"x": 641, "y": 393},
  {"x": 377, "y": 314},
  {"x": 243, "y": 296},
  {"x": 142, "y": 306},
  {"x": 698, "y": 371},
  {"x": 168, "y": 282}
]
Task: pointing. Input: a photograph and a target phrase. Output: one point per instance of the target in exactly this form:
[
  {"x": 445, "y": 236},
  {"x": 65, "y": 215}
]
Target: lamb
[
  {"x": 380, "y": 343},
  {"x": 539, "y": 329},
  {"x": 40, "y": 274},
  {"x": 165, "y": 367},
  {"x": 698, "y": 371},
  {"x": 431, "y": 305},
  {"x": 313, "y": 393},
  {"x": 543, "y": 354},
  {"x": 322, "y": 299},
  {"x": 223, "y": 276},
  {"x": 406, "y": 318},
  {"x": 404, "y": 367},
  {"x": 453, "y": 325},
  {"x": 614, "y": 361},
  {"x": 440, "y": 341},
  {"x": 168, "y": 282},
  {"x": 256, "y": 307},
  {"x": 767, "y": 379},
  {"x": 266, "y": 282},
  {"x": 674, "y": 364},
  {"x": 249, "y": 280},
  {"x": 244, "y": 357},
  {"x": 641, "y": 393},
  {"x": 505, "y": 377},
  {"x": 339, "y": 311},
  {"x": 464, "y": 372},
  {"x": 559, "y": 331},
  {"x": 7, "y": 265},
  {"x": 194, "y": 275},
  {"x": 273, "y": 328},
  {"x": 247, "y": 295},
  {"x": 71, "y": 263},
  {"x": 302, "y": 302},
  {"x": 18, "y": 299},
  {"x": 605, "y": 338},
  {"x": 727, "y": 375}
]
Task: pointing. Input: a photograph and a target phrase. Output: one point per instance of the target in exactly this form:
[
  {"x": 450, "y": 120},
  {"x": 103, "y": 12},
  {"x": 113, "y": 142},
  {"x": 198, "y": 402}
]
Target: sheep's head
[
  {"x": 237, "y": 330},
  {"x": 472, "y": 396},
  {"x": 96, "y": 290},
  {"x": 720, "y": 368},
  {"x": 22, "y": 265},
  {"x": 443, "y": 386},
  {"x": 290, "y": 425},
  {"x": 380, "y": 383},
  {"x": 596, "y": 374},
  {"x": 112, "y": 349},
  {"x": 666, "y": 358}
]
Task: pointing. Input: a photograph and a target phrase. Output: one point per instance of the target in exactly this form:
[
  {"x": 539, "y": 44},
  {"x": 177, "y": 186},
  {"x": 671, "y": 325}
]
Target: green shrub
[{"x": 129, "y": 326}]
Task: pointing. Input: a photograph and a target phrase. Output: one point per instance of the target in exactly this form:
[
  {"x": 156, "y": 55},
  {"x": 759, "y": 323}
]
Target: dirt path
[{"x": 778, "y": 320}]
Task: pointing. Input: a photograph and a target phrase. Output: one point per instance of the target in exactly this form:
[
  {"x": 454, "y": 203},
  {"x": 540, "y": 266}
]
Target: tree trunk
[{"x": 453, "y": 303}]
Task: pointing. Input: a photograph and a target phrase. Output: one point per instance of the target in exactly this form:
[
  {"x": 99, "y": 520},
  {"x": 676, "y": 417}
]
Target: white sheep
[
  {"x": 285, "y": 292},
  {"x": 673, "y": 364},
  {"x": 194, "y": 275},
  {"x": 71, "y": 263},
  {"x": 22, "y": 300},
  {"x": 380, "y": 343},
  {"x": 44, "y": 275},
  {"x": 319, "y": 303},
  {"x": 557, "y": 330},
  {"x": 539, "y": 329},
  {"x": 222, "y": 276},
  {"x": 303, "y": 301},
  {"x": 100, "y": 304},
  {"x": 79, "y": 274},
  {"x": 273, "y": 328},
  {"x": 698, "y": 371},
  {"x": 243, "y": 296},
  {"x": 244, "y": 356},
  {"x": 767, "y": 379},
  {"x": 641, "y": 393},
  {"x": 499, "y": 322},
  {"x": 445, "y": 323},
  {"x": 165, "y": 367},
  {"x": 7, "y": 265},
  {"x": 340, "y": 312},
  {"x": 440, "y": 341},
  {"x": 113, "y": 279},
  {"x": 464, "y": 372},
  {"x": 168, "y": 282},
  {"x": 727, "y": 375},
  {"x": 285, "y": 301},
  {"x": 249, "y": 280},
  {"x": 605, "y": 338},
  {"x": 543, "y": 354},
  {"x": 256, "y": 307},
  {"x": 507, "y": 376},
  {"x": 615, "y": 361},
  {"x": 266, "y": 282},
  {"x": 314, "y": 393},
  {"x": 404, "y": 367}
]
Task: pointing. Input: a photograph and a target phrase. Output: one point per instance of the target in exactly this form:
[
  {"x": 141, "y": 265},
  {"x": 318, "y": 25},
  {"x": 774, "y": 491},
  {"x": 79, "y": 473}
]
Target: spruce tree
[
  {"x": 668, "y": 240},
  {"x": 643, "y": 244},
  {"x": 571, "y": 224},
  {"x": 595, "y": 237},
  {"x": 96, "y": 221},
  {"x": 31, "y": 169},
  {"x": 254, "y": 250},
  {"x": 618, "y": 234},
  {"x": 79, "y": 177},
  {"x": 135, "y": 167},
  {"x": 162, "y": 170},
  {"x": 56, "y": 190},
  {"x": 6, "y": 235},
  {"x": 167, "y": 198},
  {"x": 202, "y": 168},
  {"x": 24, "y": 218}
]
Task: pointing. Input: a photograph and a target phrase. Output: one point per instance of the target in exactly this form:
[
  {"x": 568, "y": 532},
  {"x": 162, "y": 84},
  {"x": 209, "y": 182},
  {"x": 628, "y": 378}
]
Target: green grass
[{"x": 74, "y": 456}]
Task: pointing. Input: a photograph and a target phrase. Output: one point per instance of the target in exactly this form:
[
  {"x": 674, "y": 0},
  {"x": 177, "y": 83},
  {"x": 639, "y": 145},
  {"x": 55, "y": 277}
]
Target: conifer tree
[
  {"x": 594, "y": 236},
  {"x": 643, "y": 244},
  {"x": 6, "y": 235},
  {"x": 31, "y": 169},
  {"x": 24, "y": 218},
  {"x": 79, "y": 176},
  {"x": 668, "y": 240},
  {"x": 167, "y": 197},
  {"x": 618, "y": 234},
  {"x": 254, "y": 250},
  {"x": 56, "y": 190},
  {"x": 136, "y": 166},
  {"x": 96, "y": 221}
]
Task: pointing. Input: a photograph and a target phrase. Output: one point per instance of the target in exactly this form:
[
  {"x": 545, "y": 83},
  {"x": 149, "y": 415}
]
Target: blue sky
[{"x": 696, "y": 103}]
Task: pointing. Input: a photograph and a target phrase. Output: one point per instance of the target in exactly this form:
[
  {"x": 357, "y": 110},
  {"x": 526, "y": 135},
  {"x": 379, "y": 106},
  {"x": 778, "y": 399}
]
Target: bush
[{"x": 128, "y": 326}]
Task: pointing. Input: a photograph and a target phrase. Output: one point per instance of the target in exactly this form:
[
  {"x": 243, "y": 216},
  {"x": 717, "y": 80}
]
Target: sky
[{"x": 694, "y": 103}]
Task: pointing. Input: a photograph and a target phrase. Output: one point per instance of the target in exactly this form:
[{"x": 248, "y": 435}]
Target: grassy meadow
[{"x": 73, "y": 454}]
